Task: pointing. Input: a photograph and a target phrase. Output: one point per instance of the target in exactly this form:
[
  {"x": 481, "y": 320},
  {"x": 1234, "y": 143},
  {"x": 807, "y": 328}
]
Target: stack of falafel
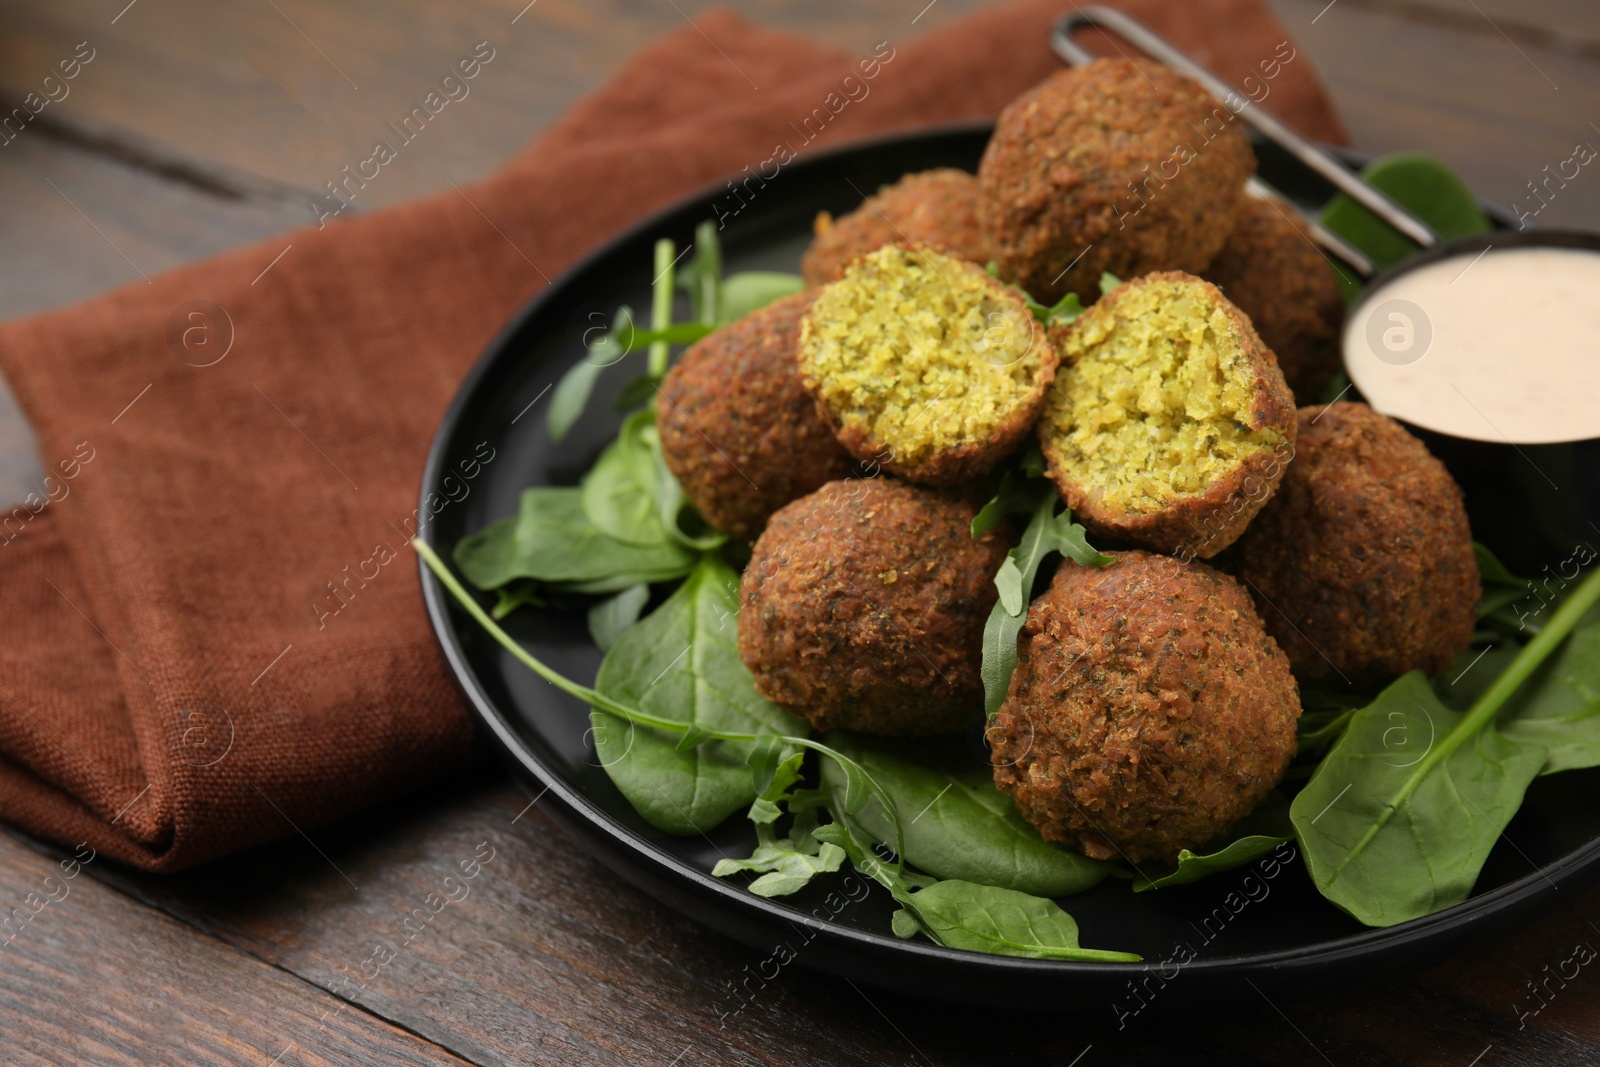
[{"x": 854, "y": 430}]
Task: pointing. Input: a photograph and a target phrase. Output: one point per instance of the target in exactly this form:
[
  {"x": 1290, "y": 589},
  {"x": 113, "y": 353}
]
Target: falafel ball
[
  {"x": 937, "y": 208},
  {"x": 738, "y": 430},
  {"x": 863, "y": 607},
  {"x": 925, "y": 365},
  {"x": 1169, "y": 423},
  {"x": 1363, "y": 563},
  {"x": 1110, "y": 167},
  {"x": 1149, "y": 709},
  {"x": 1274, "y": 274}
]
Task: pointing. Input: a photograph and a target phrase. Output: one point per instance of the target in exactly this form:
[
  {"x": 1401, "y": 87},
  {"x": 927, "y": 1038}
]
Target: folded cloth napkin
[{"x": 213, "y": 633}]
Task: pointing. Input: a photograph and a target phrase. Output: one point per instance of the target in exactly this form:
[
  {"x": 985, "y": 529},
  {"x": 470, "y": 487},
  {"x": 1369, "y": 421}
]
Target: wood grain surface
[{"x": 460, "y": 925}]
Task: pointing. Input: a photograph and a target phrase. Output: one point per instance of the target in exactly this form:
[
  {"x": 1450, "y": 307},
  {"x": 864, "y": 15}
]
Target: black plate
[{"x": 1238, "y": 925}]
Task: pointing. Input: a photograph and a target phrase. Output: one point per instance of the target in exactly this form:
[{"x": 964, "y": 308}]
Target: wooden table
[{"x": 275, "y": 957}]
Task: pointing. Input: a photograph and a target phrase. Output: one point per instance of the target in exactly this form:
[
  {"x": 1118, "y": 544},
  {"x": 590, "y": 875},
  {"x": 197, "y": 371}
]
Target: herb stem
[{"x": 661, "y": 305}]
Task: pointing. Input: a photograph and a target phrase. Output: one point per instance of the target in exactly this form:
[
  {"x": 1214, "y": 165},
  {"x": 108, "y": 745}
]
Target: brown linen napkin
[{"x": 213, "y": 635}]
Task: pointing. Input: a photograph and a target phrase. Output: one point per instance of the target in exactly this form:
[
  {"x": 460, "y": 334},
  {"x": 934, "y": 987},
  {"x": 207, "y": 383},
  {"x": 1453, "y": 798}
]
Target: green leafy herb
[
  {"x": 681, "y": 519},
  {"x": 552, "y": 540},
  {"x": 1065, "y": 310},
  {"x": 1048, "y": 531},
  {"x": 752, "y": 290},
  {"x": 963, "y": 915},
  {"x": 1560, "y": 709},
  {"x": 785, "y": 864},
  {"x": 682, "y": 662},
  {"x": 611, "y": 617},
  {"x": 1108, "y": 282},
  {"x": 572, "y": 393},
  {"x": 955, "y": 822},
  {"x": 619, "y": 492},
  {"x": 984, "y": 918},
  {"x": 1257, "y": 834},
  {"x": 702, "y": 275},
  {"x": 1421, "y": 184},
  {"x": 1399, "y": 817},
  {"x": 518, "y": 594}
]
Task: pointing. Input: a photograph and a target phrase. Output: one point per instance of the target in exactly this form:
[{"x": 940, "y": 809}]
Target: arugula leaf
[
  {"x": 1108, "y": 282},
  {"x": 956, "y": 823},
  {"x": 682, "y": 663},
  {"x": 608, "y": 618},
  {"x": 1257, "y": 834},
  {"x": 786, "y": 864},
  {"x": 1065, "y": 310},
  {"x": 984, "y": 918},
  {"x": 1047, "y": 532},
  {"x": 552, "y": 540},
  {"x": 1421, "y": 184},
  {"x": 702, "y": 275}
]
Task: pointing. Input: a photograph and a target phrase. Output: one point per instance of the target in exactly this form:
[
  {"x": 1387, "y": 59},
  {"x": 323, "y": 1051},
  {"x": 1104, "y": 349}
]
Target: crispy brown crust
[
  {"x": 1275, "y": 275},
  {"x": 738, "y": 430},
  {"x": 1108, "y": 167},
  {"x": 863, "y": 607},
  {"x": 968, "y": 460},
  {"x": 1149, "y": 710},
  {"x": 935, "y": 208},
  {"x": 1198, "y": 526},
  {"x": 1363, "y": 563}
]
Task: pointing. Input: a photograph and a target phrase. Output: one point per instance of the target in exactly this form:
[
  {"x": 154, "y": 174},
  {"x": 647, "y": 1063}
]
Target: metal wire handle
[{"x": 1153, "y": 45}]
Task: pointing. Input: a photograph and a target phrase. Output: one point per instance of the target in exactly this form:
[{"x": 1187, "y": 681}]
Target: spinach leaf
[
  {"x": 682, "y": 663},
  {"x": 1257, "y": 834},
  {"x": 1423, "y": 185},
  {"x": 681, "y": 519},
  {"x": 517, "y": 594},
  {"x": 572, "y": 393},
  {"x": 552, "y": 540},
  {"x": 984, "y": 918},
  {"x": 752, "y": 290},
  {"x": 1398, "y": 819},
  {"x": 1561, "y": 711},
  {"x": 956, "y": 823},
  {"x": 608, "y": 618},
  {"x": 619, "y": 492},
  {"x": 1047, "y": 532}
]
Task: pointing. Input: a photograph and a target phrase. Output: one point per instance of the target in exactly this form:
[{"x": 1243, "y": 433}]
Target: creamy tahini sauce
[{"x": 1505, "y": 347}]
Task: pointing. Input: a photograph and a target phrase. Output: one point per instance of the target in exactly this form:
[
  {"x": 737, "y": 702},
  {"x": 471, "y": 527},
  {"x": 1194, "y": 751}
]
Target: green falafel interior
[{"x": 924, "y": 356}]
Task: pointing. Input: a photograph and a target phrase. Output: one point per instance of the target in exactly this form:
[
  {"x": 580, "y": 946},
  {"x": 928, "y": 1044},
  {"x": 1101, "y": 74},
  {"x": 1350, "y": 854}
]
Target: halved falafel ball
[
  {"x": 1274, "y": 274},
  {"x": 1363, "y": 562},
  {"x": 1169, "y": 423},
  {"x": 933, "y": 208},
  {"x": 863, "y": 607},
  {"x": 1149, "y": 709},
  {"x": 925, "y": 365},
  {"x": 738, "y": 430},
  {"x": 1110, "y": 167}
]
